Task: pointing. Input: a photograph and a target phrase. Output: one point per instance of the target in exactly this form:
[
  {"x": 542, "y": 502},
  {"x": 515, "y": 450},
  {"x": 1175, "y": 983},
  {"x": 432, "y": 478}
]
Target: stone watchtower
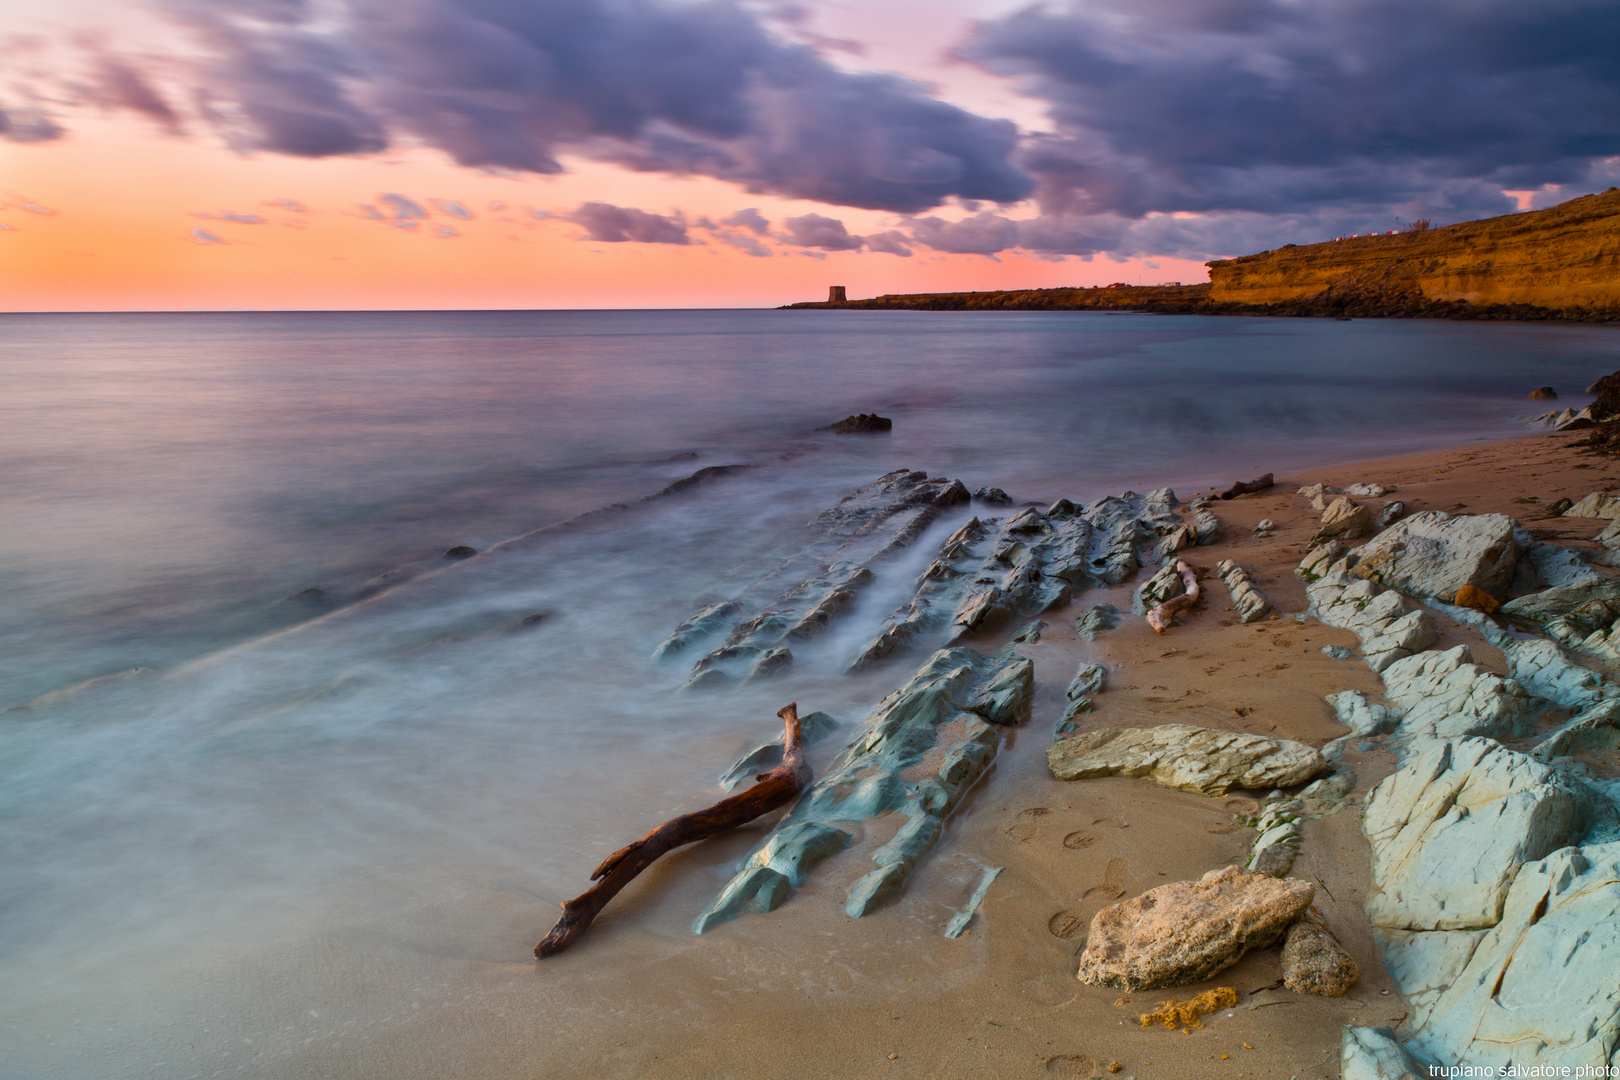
[{"x": 835, "y": 295}]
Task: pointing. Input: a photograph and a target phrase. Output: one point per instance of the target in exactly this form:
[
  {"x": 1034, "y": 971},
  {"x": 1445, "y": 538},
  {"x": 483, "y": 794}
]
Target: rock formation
[
  {"x": 1496, "y": 872},
  {"x": 917, "y": 752},
  {"x": 1187, "y": 931},
  {"x": 993, "y": 570},
  {"x": 1249, "y": 602},
  {"x": 1201, "y": 760}
]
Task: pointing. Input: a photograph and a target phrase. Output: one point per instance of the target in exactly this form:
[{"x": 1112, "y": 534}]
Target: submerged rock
[
  {"x": 915, "y": 754},
  {"x": 1200, "y": 760},
  {"x": 824, "y": 579},
  {"x": 990, "y": 572},
  {"x": 813, "y": 729},
  {"x": 708, "y": 621},
  {"x": 1186, "y": 931},
  {"x": 1543, "y": 393},
  {"x": 460, "y": 551},
  {"x": 1314, "y": 962},
  {"x": 860, "y": 424}
]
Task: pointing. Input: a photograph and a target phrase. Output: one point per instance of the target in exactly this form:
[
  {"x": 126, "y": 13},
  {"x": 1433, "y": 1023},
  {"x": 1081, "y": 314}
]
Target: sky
[{"x": 366, "y": 154}]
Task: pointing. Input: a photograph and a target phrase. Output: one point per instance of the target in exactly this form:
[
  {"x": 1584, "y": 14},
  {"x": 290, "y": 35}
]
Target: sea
[{"x": 257, "y": 729}]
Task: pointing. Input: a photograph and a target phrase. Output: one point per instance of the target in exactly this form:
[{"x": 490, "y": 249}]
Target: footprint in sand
[
  {"x": 1078, "y": 1066},
  {"x": 1028, "y": 826},
  {"x": 1113, "y": 883},
  {"x": 1220, "y": 827},
  {"x": 1079, "y": 840},
  {"x": 1066, "y": 924},
  {"x": 1245, "y": 807},
  {"x": 1112, "y": 823}
]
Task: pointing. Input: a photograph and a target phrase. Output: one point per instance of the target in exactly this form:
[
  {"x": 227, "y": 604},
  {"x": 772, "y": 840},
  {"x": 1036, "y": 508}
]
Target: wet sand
[{"x": 807, "y": 992}]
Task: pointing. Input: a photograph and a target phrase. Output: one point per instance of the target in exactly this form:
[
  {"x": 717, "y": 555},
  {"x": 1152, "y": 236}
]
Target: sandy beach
[{"x": 807, "y": 991}]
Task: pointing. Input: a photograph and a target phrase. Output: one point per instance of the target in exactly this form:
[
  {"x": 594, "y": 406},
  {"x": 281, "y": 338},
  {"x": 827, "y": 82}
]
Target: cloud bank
[{"x": 654, "y": 85}]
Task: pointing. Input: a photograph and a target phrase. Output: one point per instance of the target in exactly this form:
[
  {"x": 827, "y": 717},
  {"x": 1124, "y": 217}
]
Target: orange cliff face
[{"x": 1564, "y": 257}]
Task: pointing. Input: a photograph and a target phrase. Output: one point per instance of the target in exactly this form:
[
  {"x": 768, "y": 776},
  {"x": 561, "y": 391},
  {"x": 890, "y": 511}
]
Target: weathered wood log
[
  {"x": 1249, "y": 488},
  {"x": 1159, "y": 617},
  {"x": 771, "y": 790}
]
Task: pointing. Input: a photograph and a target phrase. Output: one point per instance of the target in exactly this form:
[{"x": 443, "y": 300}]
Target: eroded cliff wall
[{"x": 1563, "y": 258}]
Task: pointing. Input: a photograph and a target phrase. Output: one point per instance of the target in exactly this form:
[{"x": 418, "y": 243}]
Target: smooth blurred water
[{"x": 265, "y": 777}]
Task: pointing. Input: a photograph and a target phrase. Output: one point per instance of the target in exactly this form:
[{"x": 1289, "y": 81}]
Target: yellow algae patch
[{"x": 1185, "y": 1014}]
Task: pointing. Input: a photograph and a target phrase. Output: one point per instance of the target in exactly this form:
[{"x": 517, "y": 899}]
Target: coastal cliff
[
  {"x": 1558, "y": 263},
  {"x": 1565, "y": 258}
]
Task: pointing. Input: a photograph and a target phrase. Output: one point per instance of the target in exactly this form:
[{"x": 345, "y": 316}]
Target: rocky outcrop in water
[
  {"x": 991, "y": 570},
  {"x": 916, "y": 754},
  {"x": 802, "y": 597}
]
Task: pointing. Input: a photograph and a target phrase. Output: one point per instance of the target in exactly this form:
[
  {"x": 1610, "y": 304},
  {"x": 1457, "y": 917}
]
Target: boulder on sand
[
  {"x": 1313, "y": 961},
  {"x": 1186, "y": 931},
  {"x": 1195, "y": 759},
  {"x": 1434, "y": 554},
  {"x": 1344, "y": 519}
]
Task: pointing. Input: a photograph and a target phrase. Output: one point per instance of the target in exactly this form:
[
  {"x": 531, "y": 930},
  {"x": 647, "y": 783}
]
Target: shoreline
[{"x": 808, "y": 991}]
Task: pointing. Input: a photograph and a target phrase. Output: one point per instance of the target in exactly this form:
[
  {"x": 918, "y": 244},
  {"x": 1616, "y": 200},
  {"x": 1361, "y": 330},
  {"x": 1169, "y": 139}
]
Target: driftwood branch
[
  {"x": 771, "y": 790},
  {"x": 1247, "y": 488},
  {"x": 1159, "y": 617}
]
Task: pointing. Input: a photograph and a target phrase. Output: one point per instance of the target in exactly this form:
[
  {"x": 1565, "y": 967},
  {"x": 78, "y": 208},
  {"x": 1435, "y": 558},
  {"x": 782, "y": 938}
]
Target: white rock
[
  {"x": 1596, "y": 505},
  {"x": 1446, "y": 695},
  {"x": 1361, "y": 716},
  {"x": 1249, "y": 602},
  {"x": 1373, "y": 1053},
  {"x": 1317, "y": 494},
  {"x": 1434, "y": 554},
  {"x": 1450, "y": 829},
  {"x": 1344, "y": 520},
  {"x": 1368, "y": 491},
  {"x": 1541, "y": 667},
  {"x": 1208, "y": 527},
  {"x": 1542, "y": 987},
  {"x": 1206, "y": 761}
]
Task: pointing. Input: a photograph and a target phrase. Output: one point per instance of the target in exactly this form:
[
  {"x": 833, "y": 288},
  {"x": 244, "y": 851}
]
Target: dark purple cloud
[
  {"x": 118, "y": 85},
  {"x": 820, "y": 232},
  {"x": 655, "y": 85},
  {"x": 1276, "y": 106},
  {"x": 27, "y": 124},
  {"x": 750, "y": 219},
  {"x": 609, "y": 224}
]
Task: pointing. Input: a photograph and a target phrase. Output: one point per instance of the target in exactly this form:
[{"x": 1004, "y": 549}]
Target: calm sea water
[{"x": 251, "y": 708}]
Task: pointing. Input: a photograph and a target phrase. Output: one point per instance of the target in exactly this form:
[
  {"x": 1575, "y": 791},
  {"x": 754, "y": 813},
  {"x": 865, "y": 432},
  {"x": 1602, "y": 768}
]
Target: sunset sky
[{"x": 643, "y": 153}]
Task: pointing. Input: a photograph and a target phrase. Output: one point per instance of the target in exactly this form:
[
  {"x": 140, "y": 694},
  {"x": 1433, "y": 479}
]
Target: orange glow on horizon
[{"x": 120, "y": 237}]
